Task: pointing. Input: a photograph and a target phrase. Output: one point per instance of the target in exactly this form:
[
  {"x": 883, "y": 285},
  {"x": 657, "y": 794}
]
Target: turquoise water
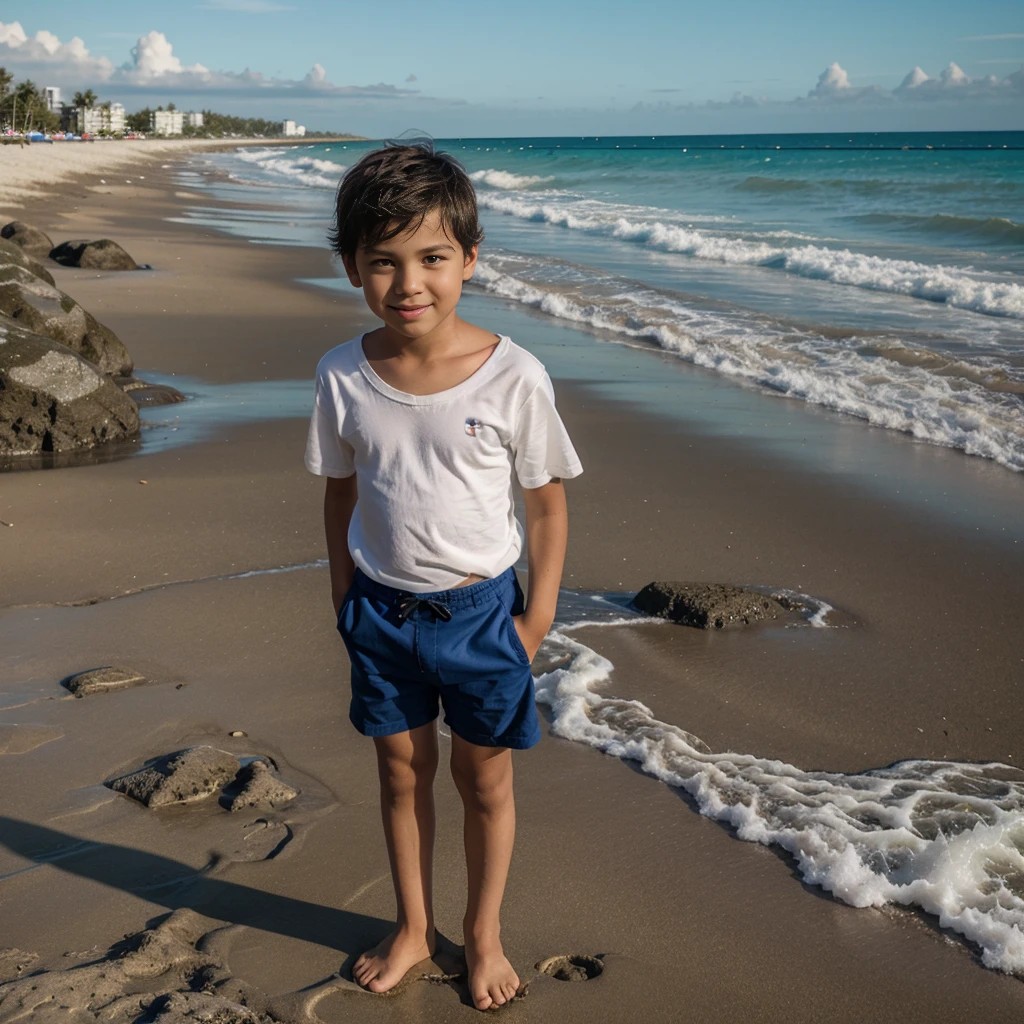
[{"x": 878, "y": 275}]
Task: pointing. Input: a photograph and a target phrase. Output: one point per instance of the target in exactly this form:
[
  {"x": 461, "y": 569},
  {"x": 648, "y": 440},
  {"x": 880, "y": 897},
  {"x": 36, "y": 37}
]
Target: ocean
[{"x": 877, "y": 275}]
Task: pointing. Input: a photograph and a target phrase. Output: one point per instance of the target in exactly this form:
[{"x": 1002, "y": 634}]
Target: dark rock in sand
[
  {"x": 100, "y": 345},
  {"x": 183, "y": 777},
  {"x": 31, "y": 239},
  {"x": 261, "y": 788},
  {"x": 103, "y": 680},
  {"x": 14, "y": 255},
  {"x": 145, "y": 394},
  {"x": 706, "y": 605},
  {"x": 46, "y": 310},
  {"x": 102, "y": 254},
  {"x": 53, "y": 400}
]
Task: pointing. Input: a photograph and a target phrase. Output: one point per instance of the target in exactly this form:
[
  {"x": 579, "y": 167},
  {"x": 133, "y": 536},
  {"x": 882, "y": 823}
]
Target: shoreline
[
  {"x": 25, "y": 169},
  {"x": 688, "y": 916}
]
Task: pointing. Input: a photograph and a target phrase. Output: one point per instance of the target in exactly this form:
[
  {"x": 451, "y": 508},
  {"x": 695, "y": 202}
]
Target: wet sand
[{"x": 692, "y": 923}]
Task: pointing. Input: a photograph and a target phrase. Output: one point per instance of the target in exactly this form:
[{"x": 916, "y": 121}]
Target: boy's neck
[{"x": 442, "y": 340}]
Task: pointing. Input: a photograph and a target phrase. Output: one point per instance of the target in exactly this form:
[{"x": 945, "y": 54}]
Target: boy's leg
[
  {"x": 406, "y": 764},
  {"x": 483, "y": 776}
]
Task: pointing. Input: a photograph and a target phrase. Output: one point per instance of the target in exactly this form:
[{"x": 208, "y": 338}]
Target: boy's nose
[{"x": 407, "y": 282}]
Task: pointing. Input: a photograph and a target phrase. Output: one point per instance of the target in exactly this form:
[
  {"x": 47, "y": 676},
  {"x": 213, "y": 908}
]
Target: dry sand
[
  {"x": 31, "y": 170},
  {"x": 692, "y": 924}
]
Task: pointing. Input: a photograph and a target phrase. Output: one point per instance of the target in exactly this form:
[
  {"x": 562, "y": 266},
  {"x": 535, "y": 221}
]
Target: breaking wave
[
  {"x": 303, "y": 170},
  {"x": 506, "y": 180},
  {"x": 942, "y": 836},
  {"x": 973, "y": 406},
  {"x": 949, "y": 285}
]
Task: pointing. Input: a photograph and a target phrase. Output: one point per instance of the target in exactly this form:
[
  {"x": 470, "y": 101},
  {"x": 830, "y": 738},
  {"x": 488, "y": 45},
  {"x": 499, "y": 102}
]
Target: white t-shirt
[{"x": 435, "y": 471}]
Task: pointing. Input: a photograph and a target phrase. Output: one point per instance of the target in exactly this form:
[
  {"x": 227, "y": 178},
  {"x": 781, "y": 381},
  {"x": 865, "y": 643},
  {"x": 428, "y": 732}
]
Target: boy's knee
[
  {"x": 484, "y": 787},
  {"x": 404, "y": 773}
]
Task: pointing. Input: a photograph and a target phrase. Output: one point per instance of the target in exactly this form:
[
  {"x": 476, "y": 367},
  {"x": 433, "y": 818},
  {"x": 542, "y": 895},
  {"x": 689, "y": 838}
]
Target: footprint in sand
[{"x": 573, "y": 967}]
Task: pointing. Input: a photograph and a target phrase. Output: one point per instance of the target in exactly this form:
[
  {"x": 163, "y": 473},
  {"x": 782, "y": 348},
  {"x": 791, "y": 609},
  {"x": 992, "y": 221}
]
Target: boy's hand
[
  {"x": 338, "y": 596},
  {"x": 530, "y": 633}
]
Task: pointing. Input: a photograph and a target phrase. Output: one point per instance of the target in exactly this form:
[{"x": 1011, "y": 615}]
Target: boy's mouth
[{"x": 410, "y": 312}]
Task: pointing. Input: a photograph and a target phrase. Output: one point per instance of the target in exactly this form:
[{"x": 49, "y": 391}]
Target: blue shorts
[{"x": 459, "y": 647}]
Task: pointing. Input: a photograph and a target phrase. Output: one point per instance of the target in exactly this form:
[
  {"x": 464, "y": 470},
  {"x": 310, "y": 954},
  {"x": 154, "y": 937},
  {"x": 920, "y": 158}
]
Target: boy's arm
[
  {"x": 339, "y": 501},
  {"x": 547, "y": 530}
]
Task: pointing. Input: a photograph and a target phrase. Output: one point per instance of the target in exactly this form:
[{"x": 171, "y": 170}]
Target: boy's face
[{"x": 413, "y": 281}]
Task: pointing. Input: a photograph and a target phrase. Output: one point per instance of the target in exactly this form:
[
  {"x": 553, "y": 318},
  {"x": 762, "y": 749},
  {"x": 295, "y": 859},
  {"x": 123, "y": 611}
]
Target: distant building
[
  {"x": 194, "y": 119},
  {"x": 166, "y": 122},
  {"x": 52, "y": 96},
  {"x": 107, "y": 119},
  {"x": 290, "y": 129}
]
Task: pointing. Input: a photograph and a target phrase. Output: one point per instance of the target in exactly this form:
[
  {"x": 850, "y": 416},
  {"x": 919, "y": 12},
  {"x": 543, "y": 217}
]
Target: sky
[{"x": 540, "y": 67}]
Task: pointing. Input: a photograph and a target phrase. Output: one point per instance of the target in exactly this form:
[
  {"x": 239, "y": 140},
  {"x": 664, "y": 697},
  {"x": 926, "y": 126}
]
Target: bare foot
[
  {"x": 492, "y": 981},
  {"x": 384, "y": 966}
]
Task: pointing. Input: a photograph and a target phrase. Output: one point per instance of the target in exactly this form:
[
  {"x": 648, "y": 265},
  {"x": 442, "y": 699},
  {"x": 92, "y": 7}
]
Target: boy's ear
[
  {"x": 349, "y": 262},
  {"x": 470, "y": 262}
]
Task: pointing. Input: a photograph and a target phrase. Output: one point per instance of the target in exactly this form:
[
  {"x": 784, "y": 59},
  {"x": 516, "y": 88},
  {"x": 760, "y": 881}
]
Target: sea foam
[
  {"x": 303, "y": 170},
  {"x": 942, "y": 836},
  {"x": 950, "y": 285},
  {"x": 969, "y": 407},
  {"x": 505, "y": 179}
]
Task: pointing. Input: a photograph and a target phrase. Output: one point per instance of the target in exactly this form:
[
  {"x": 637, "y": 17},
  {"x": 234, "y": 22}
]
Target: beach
[{"x": 198, "y": 563}]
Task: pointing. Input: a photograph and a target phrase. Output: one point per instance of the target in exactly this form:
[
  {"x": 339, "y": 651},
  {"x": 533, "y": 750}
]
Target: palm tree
[
  {"x": 85, "y": 99},
  {"x": 29, "y": 96}
]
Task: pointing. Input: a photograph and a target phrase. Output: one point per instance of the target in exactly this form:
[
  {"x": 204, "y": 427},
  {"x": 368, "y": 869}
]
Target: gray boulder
[
  {"x": 146, "y": 394},
  {"x": 261, "y": 788},
  {"x": 183, "y": 777},
  {"x": 12, "y": 255},
  {"x": 43, "y": 309},
  {"x": 706, "y": 605},
  {"x": 53, "y": 400},
  {"x": 31, "y": 239},
  {"x": 102, "y": 254},
  {"x": 103, "y": 680}
]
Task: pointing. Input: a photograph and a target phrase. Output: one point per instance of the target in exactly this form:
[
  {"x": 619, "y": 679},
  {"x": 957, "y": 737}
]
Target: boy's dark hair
[{"x": 392, "y": 189}]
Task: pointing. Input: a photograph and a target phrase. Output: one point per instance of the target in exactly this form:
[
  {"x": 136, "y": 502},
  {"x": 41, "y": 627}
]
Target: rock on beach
[
  {"x": 103, "y": 680},
  {"x": 183, "y": 777},
  {"x": 53, "y": 400},
  {"x": 46, "y": 310},
  {"x": 261, "y": 788},
  {"x": 12, "y": 255},
  {"x": 32, "y": 240},
  {"x": 706, "y": 605},
  {"x": 101, "y": 254}
]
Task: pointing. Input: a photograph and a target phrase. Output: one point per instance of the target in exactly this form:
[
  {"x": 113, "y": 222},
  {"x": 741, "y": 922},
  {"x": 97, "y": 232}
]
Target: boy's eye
[
  {"x": 382, "y": 262},
  {"x": 430, "y": 259}
]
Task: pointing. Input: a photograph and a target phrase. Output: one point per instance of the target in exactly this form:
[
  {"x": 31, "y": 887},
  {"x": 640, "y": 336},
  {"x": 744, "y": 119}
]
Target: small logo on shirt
[{"x": 472, "y": 425}]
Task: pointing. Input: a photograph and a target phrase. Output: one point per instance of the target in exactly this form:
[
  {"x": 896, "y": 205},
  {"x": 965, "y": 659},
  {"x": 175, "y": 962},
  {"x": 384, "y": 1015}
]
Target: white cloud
[
  {"x": 316, "y": 76},
  {"x": 915, "y": 79},
  {"x": 832, "y": 80},
  {"x": 153, "y": 58},
  {"x": 154, "y": 68},
  {"x": 953, "y": 77},
  {"x": 44, "y": 54}
]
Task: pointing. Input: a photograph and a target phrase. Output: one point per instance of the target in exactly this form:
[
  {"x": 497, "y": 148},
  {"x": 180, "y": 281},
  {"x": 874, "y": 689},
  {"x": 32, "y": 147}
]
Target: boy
[{"x": 421, "y": 418}]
